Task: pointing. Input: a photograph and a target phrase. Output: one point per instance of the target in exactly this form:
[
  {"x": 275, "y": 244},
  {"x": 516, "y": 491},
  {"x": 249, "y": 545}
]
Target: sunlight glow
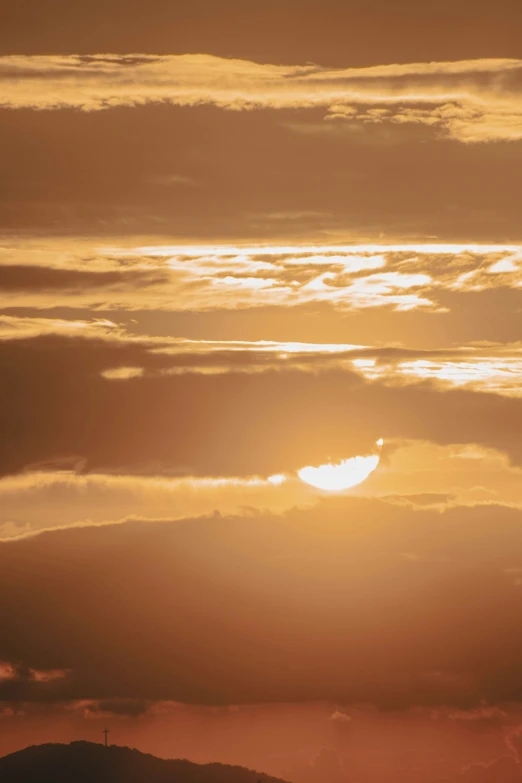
[
  {"x": 277, "y": 479},
  {"x": 343, "y": 475}
]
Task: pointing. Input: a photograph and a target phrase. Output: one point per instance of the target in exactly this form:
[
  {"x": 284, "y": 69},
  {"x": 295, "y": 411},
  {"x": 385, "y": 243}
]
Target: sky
[{"x": 261, "y": 396}]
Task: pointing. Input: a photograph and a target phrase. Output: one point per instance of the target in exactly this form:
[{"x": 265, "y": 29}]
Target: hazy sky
[{"x": 239, "y": 239}]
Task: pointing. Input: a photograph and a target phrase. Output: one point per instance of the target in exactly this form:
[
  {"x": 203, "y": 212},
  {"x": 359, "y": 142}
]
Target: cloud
[
  {"x": 19, "y": 682},
  {"x": 111, "y": 708},
  {"x": 314, "y": 605},
  {"x": 14, "y": 327},
  {"x": 27, "y": 279},
  {"x": 481, "y": 717},
  {"x": 493, "y": 367},
  {"x": 411, "y": 474},
  {"x": 325, "y": 766},
  {"x": 308, "y": 188},
  {"x": 401, "y": 277},
  {"x": 61, "y": 411},
  {"x": 502, "y": 770},
  {"x": 469, "y": 100},
  {"x": 340, "y": 717}
]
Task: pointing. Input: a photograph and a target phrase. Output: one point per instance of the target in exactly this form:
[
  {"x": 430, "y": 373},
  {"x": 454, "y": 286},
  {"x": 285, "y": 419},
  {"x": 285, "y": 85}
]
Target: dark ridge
[{"x": 87, "y": 762}]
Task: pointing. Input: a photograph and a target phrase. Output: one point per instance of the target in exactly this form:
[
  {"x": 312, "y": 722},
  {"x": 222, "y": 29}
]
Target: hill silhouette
[{"x": 88, "y": 762}]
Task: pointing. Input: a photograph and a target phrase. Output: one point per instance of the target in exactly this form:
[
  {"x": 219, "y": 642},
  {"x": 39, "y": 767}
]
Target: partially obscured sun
[{"x": 342, "y": 475}]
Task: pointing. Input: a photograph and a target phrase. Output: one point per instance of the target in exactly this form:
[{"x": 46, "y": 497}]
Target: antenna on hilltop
[{"x": 105, "y": 731}]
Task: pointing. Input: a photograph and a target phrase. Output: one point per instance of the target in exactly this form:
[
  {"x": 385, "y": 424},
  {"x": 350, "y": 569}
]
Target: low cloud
[
  {"x": 325, "y": 766},
  {"x": 502, "y": 770},
  {"x": 111, "y": 708},
  {"x": 313, "y": 605}
]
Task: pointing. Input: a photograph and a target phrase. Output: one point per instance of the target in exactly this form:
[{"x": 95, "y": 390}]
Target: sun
[{"x": 342, "y": 475}]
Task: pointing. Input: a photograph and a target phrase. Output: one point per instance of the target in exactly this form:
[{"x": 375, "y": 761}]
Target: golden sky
[{"x": 239, "y": 240}]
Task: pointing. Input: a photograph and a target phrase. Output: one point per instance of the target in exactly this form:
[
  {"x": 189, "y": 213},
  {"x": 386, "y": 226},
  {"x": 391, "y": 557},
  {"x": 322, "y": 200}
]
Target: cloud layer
[
  {"x": 353, "y": 601},
  {"x": 227, "y": 277},
  {"x": 237, "y": 240},
  {"x": 473, "y": 100},
  {"x": 108, "y": 403}
]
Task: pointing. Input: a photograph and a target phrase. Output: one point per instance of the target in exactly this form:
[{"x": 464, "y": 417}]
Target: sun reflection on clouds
[
  {"x": 345, "y": 277},
  {"x": 336, "y": 477},
  {"x": 493, "y": 374},
  {"x": 474, "y": 100}
]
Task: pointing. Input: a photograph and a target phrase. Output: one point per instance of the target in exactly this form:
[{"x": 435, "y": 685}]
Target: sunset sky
[{"x": 243, "y": 243}]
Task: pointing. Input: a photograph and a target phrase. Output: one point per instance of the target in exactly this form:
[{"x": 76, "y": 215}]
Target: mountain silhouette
[{"x": 88, "y": 762}]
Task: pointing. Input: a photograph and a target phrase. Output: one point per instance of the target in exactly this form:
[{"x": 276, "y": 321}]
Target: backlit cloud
[
  {"x": 213, "y": 277},
  {"x": 469, "y": 100},
  {"x": 188, "y": 400}
]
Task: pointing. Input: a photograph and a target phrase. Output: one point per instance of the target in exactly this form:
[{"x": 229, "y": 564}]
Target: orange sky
[{"x": 239, "y": 239}]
